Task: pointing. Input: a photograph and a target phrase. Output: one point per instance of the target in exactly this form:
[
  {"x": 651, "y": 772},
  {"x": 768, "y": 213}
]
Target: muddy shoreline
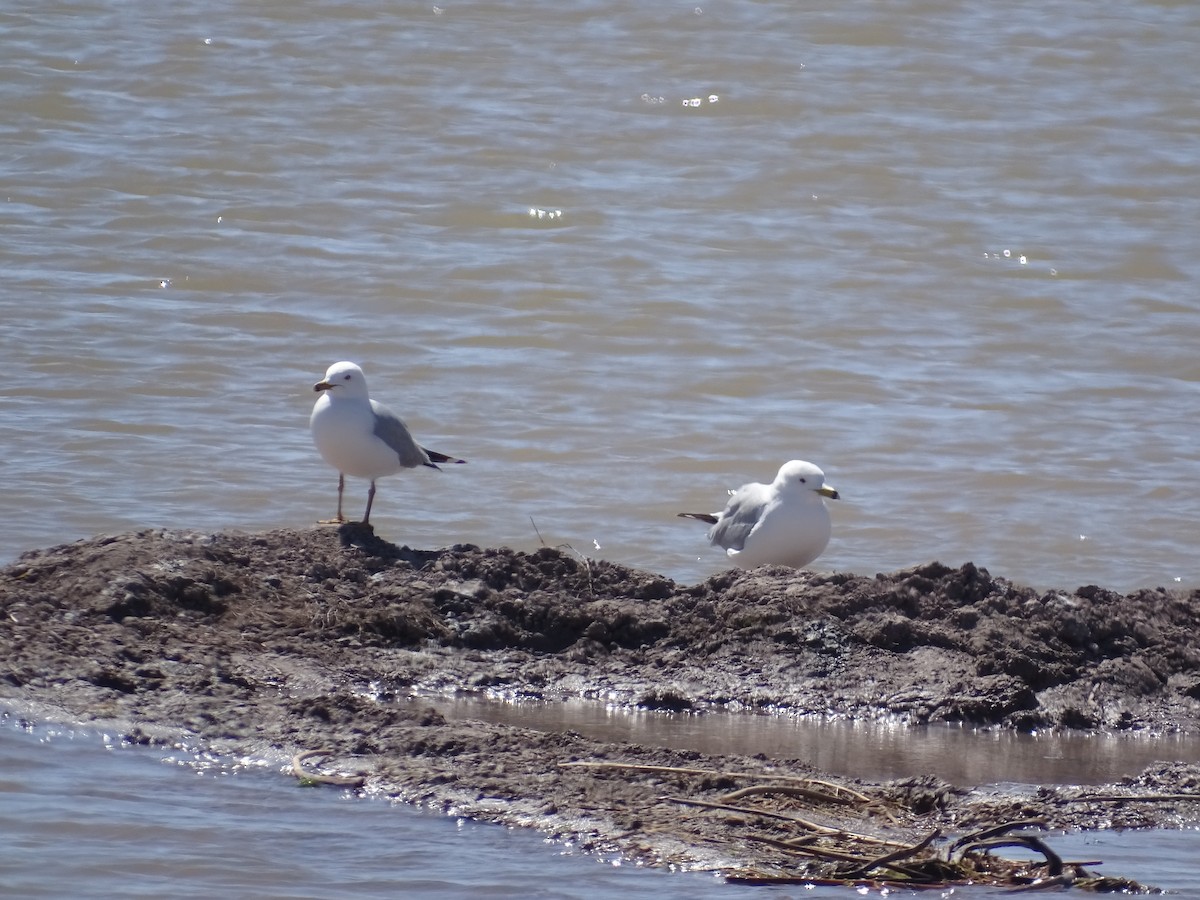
[{"x": 308, "y": 639}]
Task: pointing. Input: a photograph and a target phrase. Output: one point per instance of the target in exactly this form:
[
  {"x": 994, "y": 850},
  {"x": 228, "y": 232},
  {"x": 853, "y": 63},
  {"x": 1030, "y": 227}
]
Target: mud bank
[{"x": 298, "y": 640}]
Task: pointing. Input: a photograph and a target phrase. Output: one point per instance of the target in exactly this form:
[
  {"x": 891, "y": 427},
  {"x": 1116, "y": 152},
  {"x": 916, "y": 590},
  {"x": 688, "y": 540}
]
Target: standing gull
[
  {"x": 783, "y": 523},
  {"x": 361, "y": 437}
]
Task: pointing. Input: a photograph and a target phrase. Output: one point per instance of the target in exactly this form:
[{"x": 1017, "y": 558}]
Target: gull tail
[
  {"x": 703, "y": 517},
  {"x": 435, "y": 457}
]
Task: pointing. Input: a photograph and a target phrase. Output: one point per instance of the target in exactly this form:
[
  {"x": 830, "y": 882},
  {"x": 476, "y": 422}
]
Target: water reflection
[{"x": 870, "y": 750}]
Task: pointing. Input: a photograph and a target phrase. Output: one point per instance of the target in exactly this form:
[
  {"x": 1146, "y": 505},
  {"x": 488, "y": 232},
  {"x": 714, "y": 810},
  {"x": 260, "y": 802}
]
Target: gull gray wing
[
  {"x": 738, "y": 519},
  {"x": 390, "y": 429}
]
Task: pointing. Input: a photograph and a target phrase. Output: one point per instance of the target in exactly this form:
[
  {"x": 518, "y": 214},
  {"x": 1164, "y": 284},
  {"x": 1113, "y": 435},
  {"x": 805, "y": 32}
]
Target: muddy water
[
  {"x": 83, "y": 816},
  {"x": 870, "y": 750},
  {"x": 944, "y": 251}
]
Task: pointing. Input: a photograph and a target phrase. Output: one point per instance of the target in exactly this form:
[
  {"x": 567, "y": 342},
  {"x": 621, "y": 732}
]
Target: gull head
[
  {"x": 799, "y": 475},
  {"x": 343, "y": 379}
]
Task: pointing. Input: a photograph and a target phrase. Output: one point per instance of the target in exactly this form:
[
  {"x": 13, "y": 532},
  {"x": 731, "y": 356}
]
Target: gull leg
[
  {"x": 370, "y": 500},
  {"x": 340, "y": 518}
]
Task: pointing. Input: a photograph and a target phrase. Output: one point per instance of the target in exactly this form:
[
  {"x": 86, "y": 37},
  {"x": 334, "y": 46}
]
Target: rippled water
[
  {"x": 82, "y": 815},
  {"x": 947, "y": 252}
]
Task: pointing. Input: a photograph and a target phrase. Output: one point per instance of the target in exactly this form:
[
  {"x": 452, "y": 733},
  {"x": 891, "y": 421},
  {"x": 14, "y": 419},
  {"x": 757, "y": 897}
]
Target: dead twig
[
  {"x": 541, "y": 540},
  {"x": 806, "y": 824},
  {"x": 311, "y": 777},
  {"x": 587, "y": 563},
  {"x": 1054, "y": 863},
  {"x": 1132, "y": 798},
  {"x": 804, "y": 849},
  {"x": 795, "y": 843},
  {"x": 788, "y": 790},
  {"x": 679, "y": 770},
  {"x": 985, "y": 834},
  {"x": 888, "y": 860},
  {"x": 766, "y": 880}
]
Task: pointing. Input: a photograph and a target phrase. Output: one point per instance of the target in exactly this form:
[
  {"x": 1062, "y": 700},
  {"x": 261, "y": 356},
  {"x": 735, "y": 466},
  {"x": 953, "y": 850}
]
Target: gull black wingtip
[{"x": 435, "y": 457}]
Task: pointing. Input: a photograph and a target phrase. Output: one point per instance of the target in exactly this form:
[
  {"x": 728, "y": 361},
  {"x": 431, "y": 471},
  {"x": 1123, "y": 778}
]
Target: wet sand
[{"x": 303, "y": 640}]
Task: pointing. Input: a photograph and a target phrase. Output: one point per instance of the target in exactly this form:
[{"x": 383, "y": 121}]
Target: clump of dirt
[{"x": 304, "y": 639}]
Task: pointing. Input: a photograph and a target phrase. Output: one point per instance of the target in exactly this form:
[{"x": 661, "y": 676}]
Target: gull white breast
[
  {"x": 361, "y": 437},
  {"x": 783, "y": 523}
]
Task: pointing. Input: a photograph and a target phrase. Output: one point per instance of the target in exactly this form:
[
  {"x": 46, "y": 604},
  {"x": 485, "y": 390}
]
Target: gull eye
[
  {"x": 345, "y": 378},
  {"x": 803, "y": 480}
]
